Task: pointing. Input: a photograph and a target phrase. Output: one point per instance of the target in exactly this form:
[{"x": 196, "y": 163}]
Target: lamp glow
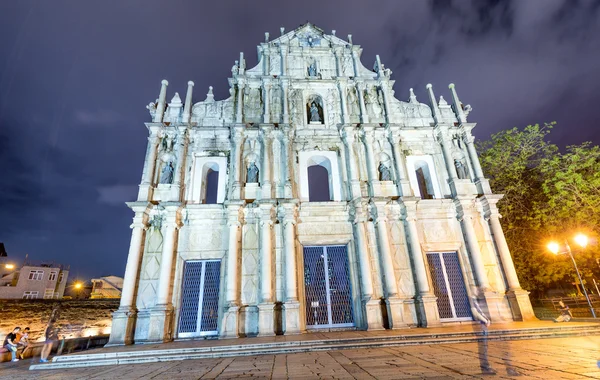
[
  {"x": 78, "y": 285},
  {"x": 554, "y": 247},
  {"x": 582, "y": 240},
  {"x": 9, "y": 266}
]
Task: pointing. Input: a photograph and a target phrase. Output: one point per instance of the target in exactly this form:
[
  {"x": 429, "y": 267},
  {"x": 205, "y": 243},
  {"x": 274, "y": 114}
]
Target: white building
[
  {"x": 33, "y": 281},
  {"x": 106, "y": 287},
  {"x": 311, "y": 198}
]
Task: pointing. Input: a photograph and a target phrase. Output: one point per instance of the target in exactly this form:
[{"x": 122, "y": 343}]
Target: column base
[
  {"x": 462, "y": 187},
  {"x": 287, "y": 191},
  {"x": 520, "y": 305},
  {"x": 395, "y": 310},
  {"x": 292, "y": 318},
  {"x": 355, "y": 186},
  {"x": 405, "y": 189},
  {"x": 483, "y": 186},
  {"x": 373, "y": 317},
  {"x": 265, "y": 190},
  {"x": 236, "y": 191},
  {"x": 266, "y": 321},
  {"x": 429, "y": 315},
  {"x": 160, "y": 324},
  {"x": 123, "y": 327},
  {"x": 229, "y": 323},
  {"x": 498, "y": 308}
]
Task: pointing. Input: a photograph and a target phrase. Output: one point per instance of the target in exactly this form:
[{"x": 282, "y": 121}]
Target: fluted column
[
  {"x": 166, "y": 263},
  {"x": 384, "y": 84},
  {"x": 473, "y": 245},
  {"x": 342, "y": 88},
  {"x": 123, "y": 323},
  {"x": 276, "y": 144},
  {"x": 361, "y": 101},
  {"x": 289, "y": 157},
  {"x": 238, "y": 140},
  {"x": 233, "y": 270},
  {"x": 399, "y": 159},
  {"x": 445, "y": 142},
  {"x": 266, "y": 94},
  {"x": 291, "y": 305},
  {"x": 470, "y": 140},
  {"x": 240, "y": 99},
  {"x": 182, "y": 141},
  {"x": 385, "y": 252},
  {"x": 149, "y": 165},
  {"x": 266, "y": 226},
  {"x": 504, "y": 252},
  {"x": 284, "y": 90},
  {"x": 417, "y": 256},
  {"x": 369, "y": 139},
  {"x": 266, "y": 166},
  {"x": 162, "y": 99},
  {"x": 187, "y": 109}
]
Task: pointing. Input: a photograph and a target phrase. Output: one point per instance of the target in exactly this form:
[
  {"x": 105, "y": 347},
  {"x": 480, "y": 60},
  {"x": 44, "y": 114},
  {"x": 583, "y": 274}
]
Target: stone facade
[{"x": 232, "y": 182}]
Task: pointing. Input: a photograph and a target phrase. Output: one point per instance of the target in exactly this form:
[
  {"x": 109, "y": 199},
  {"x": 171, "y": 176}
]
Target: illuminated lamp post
[{"x": 582, "y": 241}]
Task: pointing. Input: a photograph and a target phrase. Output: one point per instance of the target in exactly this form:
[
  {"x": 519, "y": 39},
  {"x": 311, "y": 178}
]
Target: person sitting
[
  {"x": 565, "y": 313},
  {"x": 10, "y": 344},
  {"x": 23, "y": 341}
]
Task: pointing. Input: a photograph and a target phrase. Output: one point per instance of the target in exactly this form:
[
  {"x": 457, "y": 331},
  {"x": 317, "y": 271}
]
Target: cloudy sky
[{"x": 75, "y": 77}]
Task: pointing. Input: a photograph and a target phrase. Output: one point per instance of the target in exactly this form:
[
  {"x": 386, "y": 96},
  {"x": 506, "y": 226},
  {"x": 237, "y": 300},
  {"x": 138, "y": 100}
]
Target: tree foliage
[{"x": 549, "y": 195}]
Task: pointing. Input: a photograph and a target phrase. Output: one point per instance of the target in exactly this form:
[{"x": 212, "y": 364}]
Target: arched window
[
  {"x": 318, "y": 184},
  {"x": 210, "y": 183},
  {"x": 424, "y": 180}
]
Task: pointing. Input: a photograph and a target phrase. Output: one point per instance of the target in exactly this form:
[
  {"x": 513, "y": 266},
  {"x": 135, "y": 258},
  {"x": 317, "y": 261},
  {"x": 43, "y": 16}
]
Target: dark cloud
[{"x": 75, "y": 78}]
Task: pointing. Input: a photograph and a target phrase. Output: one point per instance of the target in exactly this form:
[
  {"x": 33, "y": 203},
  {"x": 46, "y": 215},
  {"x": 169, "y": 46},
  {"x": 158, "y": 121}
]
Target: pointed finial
[
  {"x": 176, "y": 99},
  {"x": 442, "y": 101},
  {"x": 282, "y": 30},
  {"x": 210, "y": 97},
  {"x": 333, "y": 32},
  {"x": 412, "y": 98},
  {"x": 350, "y": 39},
  {"x": 266, "y": 36}
]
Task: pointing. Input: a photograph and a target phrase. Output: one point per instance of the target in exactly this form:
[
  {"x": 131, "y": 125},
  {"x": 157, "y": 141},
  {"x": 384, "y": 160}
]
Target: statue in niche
[
  {"x": 152, "y": 108},
  {"x": 353, "y": 107},
  {"x": 372, "y": 101},
  {"x": 461, "y": 169},
  {"x": 314, "y": 113},
  {"x": 166, "y": 176},
  {"x": 312, "y": 69},
  {"x": 384, "y": 172},
  {"x": 235, "y": 69},
  {"x": 252, "y": 175}
]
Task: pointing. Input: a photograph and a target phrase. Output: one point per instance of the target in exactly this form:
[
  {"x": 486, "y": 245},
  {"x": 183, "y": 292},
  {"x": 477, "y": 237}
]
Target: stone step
[{"x": 160, "y": 355}]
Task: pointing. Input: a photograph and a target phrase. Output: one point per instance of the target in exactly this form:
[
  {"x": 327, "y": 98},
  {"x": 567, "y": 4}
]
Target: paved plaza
[{"x": 557, "y": 358}]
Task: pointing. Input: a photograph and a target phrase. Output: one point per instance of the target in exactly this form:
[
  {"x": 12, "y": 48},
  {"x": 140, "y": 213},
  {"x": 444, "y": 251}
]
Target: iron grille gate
[
  {"x": 200, "y": 298},
  {"x": 327, "y": 287},
  {"x": 449, "y": 286}
]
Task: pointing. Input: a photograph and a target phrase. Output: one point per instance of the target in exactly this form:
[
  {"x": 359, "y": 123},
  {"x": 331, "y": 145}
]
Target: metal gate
[
  {"x": 200, "y": 298},
  {"x": 449, "y": 286},
  {"x": 327, "y": 287}
]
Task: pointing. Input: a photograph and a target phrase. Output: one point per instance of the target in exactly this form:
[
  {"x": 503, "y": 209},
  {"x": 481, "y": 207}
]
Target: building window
[
  {"x": 211, "y": 187},
  {"x": 209, "y": 180},
  {"x": 52, "y": 276},
  {"x": 30, "y": 295},
  {"x": 318, "y": 184},
  {"x": 48, "y": 294},
  {"x": 319, "y": 176},
  {"x": 424, "y": 180},
  {"x": 60, "y": 277},
  {"x": 37, "y": 275}
]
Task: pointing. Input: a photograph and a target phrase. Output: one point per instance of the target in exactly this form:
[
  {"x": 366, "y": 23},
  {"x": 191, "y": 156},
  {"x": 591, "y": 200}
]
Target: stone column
[
  {"x": 518, "y": 298},
  {"x": 445, "y": 142},
  {"x": 384, "y": 85},
  {"x": 342, "y": 87},
  {"x": 182, "y": 142},
  {"x": 369, "y": 139},
  {"x": 265, "y": 184},
  {"x": 187, "y": 110},
  {"x": 403, "y": 183},
  {"x": 144, "y": 193},
  {"x": 161, "y": 315},
  {"x": 292, "y": 305},
  {"x": 349, "y": 135},
  {"x": 475, "y": 252},
  {"x": 266, "y": 322},
  {"x": 364, "y": 117},
  {"x": 470, "y": 142},
  {"x": 276, "y": 144},
  {"x": 240, "y": 100},
  {"x": 162, "y": 99},
  {"x": 229, "y": 326},
  {"x": 289, "y": 158},
  {"x": 123, "y": 322},
  {"x": 425, "y": 299},
  {"x": 284, "y": 90},
  {"x": 266, "y": 94},
  {"x": 371, "y": 307},
  {"x": 394, "y": 304},
  {"x": 238, "y": 140}
]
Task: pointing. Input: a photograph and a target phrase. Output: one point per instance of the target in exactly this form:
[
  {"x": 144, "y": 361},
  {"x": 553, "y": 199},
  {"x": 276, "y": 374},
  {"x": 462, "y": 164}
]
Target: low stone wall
[{"x": 78, "y": 318}]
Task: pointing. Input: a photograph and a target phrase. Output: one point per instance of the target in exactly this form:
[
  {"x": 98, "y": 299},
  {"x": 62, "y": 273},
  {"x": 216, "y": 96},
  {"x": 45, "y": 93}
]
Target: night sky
[{"x": 75, "y": 77}]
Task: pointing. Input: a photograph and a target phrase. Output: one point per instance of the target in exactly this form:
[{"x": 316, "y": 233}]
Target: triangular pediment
[{"x": 308, "y": 35}]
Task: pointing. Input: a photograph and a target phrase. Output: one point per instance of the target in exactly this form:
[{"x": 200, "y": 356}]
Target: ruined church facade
[{"x": 310, "y": 199}]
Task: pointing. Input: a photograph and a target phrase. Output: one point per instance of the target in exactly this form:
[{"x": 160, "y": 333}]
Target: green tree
[{"x": 547, "y": 195}]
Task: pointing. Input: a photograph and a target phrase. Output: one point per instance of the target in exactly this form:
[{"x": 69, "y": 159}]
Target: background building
[
  {"x": 107, "y": 287},
  {"x": 311, "y": 199},
  {"x": 33, "y": 281}
]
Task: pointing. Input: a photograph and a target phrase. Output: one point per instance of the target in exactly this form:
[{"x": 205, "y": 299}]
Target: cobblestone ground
[{"x": 561, "y": 358}]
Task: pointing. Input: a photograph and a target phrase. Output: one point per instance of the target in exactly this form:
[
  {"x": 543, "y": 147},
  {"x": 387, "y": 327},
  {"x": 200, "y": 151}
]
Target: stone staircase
[{"x": 139, "y": 355}]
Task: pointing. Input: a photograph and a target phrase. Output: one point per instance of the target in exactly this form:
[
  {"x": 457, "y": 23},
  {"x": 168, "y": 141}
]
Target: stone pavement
[{"x": 558, "y": 358}]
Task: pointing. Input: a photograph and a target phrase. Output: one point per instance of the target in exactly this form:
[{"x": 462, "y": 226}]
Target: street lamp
[
  {"x": 9, "y": 266},
  {"x": 582, "y": 240}
]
